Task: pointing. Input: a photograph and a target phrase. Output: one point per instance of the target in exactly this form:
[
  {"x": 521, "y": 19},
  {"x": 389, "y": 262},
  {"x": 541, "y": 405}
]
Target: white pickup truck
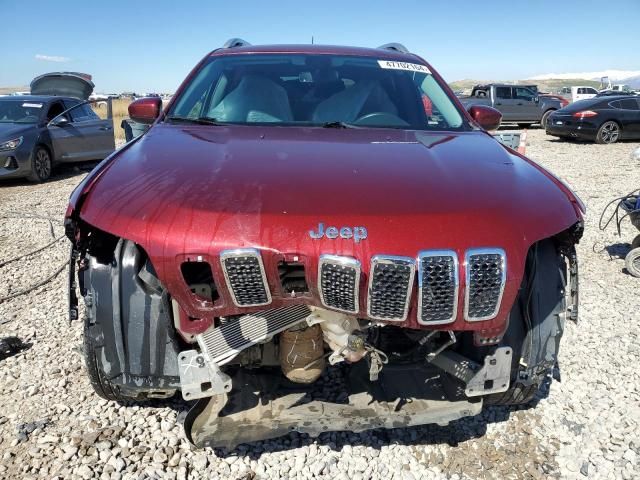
[{"x": 582, "y": 93}]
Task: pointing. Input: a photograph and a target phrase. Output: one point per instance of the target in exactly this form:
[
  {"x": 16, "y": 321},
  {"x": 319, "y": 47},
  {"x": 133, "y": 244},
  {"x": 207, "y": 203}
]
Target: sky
[{"x": 150, "y": 46}]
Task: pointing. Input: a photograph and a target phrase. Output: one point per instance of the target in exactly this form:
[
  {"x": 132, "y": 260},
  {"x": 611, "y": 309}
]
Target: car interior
[
  {"x": 314, "y": 91},
  {"x": 258, "y": 98},
  {"x": 55, "y": 109},
  {"x": 12, "y": 111}
]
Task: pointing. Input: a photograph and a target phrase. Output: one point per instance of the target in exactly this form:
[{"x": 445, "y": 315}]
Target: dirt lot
[{"x": 585, "y": 425}]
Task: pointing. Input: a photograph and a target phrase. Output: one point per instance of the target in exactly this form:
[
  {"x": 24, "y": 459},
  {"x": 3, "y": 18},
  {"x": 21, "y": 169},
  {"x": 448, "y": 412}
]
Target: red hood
[{"x": 183, "y": 190}]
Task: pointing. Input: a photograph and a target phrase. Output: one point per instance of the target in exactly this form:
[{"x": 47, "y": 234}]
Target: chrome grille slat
[
  {"x": 339, "y": 282},
  {"x": 390, "y": 285},
  {"x": 486, "y": 270},
  {"x": 223, "y": 342},
  {"x": 438, "y": 285},
  {"x": 245, "y": 277}
]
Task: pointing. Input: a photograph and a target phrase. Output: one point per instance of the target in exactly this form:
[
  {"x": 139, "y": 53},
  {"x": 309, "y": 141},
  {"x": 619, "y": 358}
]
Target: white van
[{"x": 582, "y": 93}]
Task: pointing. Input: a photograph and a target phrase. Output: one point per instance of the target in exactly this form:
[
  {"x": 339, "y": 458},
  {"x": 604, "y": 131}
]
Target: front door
[
  {"x": 92, "y": 138},
  {"x": 503, "y": 101},
  {"x": 526, "y": 104}
]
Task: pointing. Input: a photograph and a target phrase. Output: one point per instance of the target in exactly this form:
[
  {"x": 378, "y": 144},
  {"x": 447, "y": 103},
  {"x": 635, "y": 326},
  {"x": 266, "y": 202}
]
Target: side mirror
[
  {"x": 487, "y": 117},
  {"x": 59, "y": 121},
  {"x": 145, "y": 110}
]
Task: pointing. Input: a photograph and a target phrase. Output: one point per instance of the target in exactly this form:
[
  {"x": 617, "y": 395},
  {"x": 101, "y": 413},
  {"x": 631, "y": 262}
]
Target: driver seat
[{"x": 348, "y": 105}]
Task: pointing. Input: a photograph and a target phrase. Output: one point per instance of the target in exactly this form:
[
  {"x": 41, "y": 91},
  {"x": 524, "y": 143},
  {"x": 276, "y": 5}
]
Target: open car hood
[{"x": 67, "y": 84}]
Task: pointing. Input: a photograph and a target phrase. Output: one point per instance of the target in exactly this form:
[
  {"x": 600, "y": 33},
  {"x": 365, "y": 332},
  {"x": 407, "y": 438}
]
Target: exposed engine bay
[
  {"x": 293, "y": 338},
  {"x": 392, "y": 378}
]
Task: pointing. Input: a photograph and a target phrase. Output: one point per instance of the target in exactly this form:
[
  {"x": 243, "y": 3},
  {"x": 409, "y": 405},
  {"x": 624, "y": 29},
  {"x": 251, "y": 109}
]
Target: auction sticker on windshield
[
  {"x": 32, "y": 105},
  {"x": 412, "y": 67}
]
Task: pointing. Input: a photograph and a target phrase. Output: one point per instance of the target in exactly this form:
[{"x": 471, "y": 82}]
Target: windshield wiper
[
  {"x": 198, "y": 120},
  {"x": 338, "y": 124}
]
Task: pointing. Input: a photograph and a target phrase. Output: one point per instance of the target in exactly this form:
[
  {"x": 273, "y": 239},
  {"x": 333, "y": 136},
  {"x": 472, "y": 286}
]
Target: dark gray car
[{"x": 54, "y": 125}]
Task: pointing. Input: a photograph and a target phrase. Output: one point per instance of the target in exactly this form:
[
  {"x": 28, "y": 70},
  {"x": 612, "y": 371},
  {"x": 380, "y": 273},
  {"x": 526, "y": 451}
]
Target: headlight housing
[{"x": 11, "y": 144}]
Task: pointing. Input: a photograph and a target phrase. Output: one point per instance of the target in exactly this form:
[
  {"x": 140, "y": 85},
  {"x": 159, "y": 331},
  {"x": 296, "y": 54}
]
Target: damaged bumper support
[{"x": 402, "y": 397}]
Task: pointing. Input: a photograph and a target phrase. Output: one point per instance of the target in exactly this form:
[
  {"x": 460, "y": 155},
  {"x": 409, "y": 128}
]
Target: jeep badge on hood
[{"x": 357, "y": 233}]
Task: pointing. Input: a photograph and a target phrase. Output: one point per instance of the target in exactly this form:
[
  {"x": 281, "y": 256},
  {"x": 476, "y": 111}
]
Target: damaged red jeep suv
[{"x": 319, "y": 238}]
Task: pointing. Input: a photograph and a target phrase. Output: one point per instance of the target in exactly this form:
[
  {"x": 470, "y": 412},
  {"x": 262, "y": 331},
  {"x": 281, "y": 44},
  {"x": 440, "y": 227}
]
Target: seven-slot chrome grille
[
  {"x": 486, "y": 271},
  {"x": 437, "y": 287},
  {"x": 245, "y": 277},
  {"x": 339, "y": 282},
  {"x": 390, "y": 285}
]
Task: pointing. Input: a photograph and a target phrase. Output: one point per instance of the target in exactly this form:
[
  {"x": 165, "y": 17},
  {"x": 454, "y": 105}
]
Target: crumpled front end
[{"x": 264, "y": 285}]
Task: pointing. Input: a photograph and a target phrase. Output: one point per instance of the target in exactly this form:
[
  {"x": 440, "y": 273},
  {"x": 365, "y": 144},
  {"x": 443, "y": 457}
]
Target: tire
[
  {"x": 533, "y": 344},
  {"x": 632, "y": 262},
  {"x": 636, "y": 242},
  {"x": 545, "y": 118},
  {"x": 100, "y": 383},
  {"x": 41, "y": 165},
  {"x": 609, "y": 132}
]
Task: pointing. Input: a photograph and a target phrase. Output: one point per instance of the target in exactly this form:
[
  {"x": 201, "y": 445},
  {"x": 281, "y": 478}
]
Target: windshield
[
  {"x": 317, "y": 90},
  {"x": 12, "y": 111}
]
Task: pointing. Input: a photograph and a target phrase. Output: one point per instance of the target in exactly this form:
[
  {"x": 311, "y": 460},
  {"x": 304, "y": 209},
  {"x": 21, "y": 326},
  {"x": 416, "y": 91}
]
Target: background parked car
[
  {"x": 518, "y": 104},
  {"x": 54, "y": 124},
  {"x": 601, "y": 119},
  {"x": 582, "y": 93}
]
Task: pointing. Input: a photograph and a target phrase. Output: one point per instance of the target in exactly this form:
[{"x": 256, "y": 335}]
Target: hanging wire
[
  {"x": 626, "y": 203},
  {"x": 51, "y": 221}
]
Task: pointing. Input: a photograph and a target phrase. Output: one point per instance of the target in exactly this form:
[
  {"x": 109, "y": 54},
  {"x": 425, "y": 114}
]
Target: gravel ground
[{"x": 585, "y": 425}]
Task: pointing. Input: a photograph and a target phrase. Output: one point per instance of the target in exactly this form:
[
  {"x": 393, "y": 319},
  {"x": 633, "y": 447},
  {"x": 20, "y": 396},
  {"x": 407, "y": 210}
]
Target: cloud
[{"x": 52, "y": 58}]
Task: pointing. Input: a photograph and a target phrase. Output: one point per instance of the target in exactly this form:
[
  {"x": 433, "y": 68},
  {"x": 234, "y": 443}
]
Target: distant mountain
[
  {"x": 8, "y": 90},
  {"x": 633, "y": 82},
  {"x": 620, "y": 76}
]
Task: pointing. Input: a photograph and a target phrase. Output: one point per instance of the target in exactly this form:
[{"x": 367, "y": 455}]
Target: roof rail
[
  {"x": 398, "y": 47},
  {"x": 235, "y": 42}
]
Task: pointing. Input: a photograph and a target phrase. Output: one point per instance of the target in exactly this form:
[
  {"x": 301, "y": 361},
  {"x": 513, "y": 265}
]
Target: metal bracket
[
  {"x": 199, "y": 378},
  {"x": 494, "y": 376}
]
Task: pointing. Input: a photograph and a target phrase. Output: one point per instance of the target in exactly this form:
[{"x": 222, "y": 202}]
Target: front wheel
[
  {"x": 40, "y": 165},
  {"x": 609, "y": 132}
]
